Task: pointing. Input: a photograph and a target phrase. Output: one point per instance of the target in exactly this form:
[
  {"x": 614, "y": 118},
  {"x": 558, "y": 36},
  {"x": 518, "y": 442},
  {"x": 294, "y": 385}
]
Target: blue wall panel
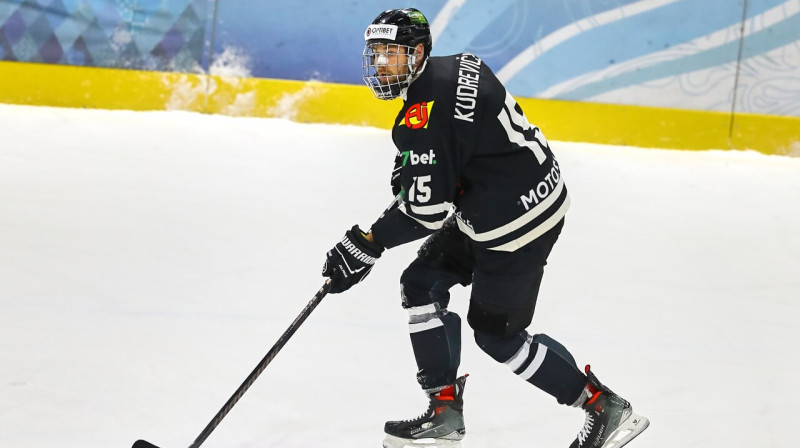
[
  {"x": 141, "y": 34},
  {"x": 722, "y": 55},
  {"x": 319, "y": 40}
]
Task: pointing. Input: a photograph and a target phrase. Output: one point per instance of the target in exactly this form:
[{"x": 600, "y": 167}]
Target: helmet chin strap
[
  {"x": 412, "y": 61},
  {"x": 413, "y": 75}
]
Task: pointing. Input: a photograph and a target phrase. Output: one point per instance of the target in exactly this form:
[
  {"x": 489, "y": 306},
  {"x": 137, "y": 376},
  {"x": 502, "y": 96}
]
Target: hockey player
[{"x": 476, "y": 176}]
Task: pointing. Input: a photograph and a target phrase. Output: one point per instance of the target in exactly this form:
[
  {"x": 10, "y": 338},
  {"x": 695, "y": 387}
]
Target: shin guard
[
  {"x": 539, "y": 360},
  {"x": 436, "y": 340}
]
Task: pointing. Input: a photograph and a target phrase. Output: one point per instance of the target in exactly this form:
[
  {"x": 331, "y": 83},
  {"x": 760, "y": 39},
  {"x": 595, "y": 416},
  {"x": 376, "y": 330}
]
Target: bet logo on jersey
[{"x": 417, "y": 115}]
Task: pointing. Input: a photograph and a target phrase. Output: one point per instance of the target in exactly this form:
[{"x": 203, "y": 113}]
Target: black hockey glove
[{"x": 350, "y": 260}]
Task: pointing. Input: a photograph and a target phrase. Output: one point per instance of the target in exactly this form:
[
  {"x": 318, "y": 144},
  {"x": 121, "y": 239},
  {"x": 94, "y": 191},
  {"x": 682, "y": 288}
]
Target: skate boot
[
  {"x": 610, "y": 421},
  {"x": 442, "y": 425}
]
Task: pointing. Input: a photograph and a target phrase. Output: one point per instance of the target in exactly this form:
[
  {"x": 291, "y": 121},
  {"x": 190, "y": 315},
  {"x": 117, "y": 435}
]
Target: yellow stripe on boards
[
  {"x": 318, "y": 102},
  {"x": 69, "y": 86},
  {"x": 628, "y": 125},
  {"x": 769, "y": 134},
  {"x": 103, "y": 88}
]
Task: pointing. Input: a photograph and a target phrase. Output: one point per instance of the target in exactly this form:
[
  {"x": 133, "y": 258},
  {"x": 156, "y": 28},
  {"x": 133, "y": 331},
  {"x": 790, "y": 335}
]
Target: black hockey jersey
[{"x": 464, "y": 145}]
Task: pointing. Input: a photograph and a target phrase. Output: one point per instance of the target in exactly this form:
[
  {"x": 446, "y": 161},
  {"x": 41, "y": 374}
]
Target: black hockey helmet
[
  {"x": 395, "y": 32},
  {"x": 412, "y": 29}
]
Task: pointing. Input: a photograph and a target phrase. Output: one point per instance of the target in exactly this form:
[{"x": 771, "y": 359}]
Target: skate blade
[
  {"x": 627, "y": 431},
  {"x": 398, "y": 442}
]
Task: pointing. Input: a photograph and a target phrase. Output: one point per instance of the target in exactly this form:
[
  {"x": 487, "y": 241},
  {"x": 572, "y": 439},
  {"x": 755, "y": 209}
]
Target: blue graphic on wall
[
  {"x": 722, "y": 55},
  {"x": 703, "y": 55},
  {"x": 320, "y": 40},
  {"x": 137, "y": 34}
]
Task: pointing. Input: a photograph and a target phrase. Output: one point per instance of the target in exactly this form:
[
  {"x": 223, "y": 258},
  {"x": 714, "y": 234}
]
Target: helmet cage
[{"x": 388, "y": 68}]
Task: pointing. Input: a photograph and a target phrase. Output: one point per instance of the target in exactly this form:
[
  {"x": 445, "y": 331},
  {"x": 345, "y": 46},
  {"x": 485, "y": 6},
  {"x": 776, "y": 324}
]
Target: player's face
[
  {"x": 391, "y": 62},
  {"x": 387, "y": 67}
]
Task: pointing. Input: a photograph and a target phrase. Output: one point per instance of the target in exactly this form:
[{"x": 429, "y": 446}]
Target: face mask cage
[{"x": 387, "y": 68}]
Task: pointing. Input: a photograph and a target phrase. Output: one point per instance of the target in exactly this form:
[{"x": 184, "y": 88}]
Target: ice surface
[{"x": 149, "y": 260}]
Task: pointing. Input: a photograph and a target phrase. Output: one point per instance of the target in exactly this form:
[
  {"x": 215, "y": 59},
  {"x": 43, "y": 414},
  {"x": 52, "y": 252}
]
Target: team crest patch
[{"x": 417, "y": 115}]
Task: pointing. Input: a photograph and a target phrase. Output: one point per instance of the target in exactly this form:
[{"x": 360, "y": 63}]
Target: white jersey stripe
[
  {"x": 431, "y": 209},
  {"x": 538, "y": 231},
  {"x": 518, "y": 223},
  {"x": 428, "y": 225},
  {"x": 541, "y": 352}
]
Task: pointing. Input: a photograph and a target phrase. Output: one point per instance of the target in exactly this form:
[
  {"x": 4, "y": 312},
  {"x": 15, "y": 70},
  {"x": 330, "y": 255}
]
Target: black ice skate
[
  {"x": 610, "y": 421},
  {"x": 442, "y": 425}
]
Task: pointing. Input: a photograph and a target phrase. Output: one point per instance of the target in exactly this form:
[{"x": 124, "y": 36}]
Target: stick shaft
[{"x": 262, "y": 365}]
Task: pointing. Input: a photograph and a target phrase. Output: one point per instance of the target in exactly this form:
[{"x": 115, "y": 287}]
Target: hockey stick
[{"x": 256, "y": 372}]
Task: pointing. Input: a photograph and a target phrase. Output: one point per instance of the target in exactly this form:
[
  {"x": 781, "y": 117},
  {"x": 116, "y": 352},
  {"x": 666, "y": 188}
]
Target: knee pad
[
  {"x": 451, "y": 250},
  {"x": 491, "y": 320},
  {"x": 500, "y": 347},
  {"x": 506, "y": 348},
  {"x": 423, "y": 284}
]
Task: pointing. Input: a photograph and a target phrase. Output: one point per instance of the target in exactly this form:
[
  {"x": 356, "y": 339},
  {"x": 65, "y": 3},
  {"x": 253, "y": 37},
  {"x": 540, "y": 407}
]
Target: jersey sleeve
[
  {"x": 428, "y": 184},
  {"x": 394, "y": 228}
]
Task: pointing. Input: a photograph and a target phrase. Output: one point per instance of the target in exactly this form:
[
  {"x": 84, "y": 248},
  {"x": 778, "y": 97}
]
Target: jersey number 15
[{"x": 420, "y": 192}]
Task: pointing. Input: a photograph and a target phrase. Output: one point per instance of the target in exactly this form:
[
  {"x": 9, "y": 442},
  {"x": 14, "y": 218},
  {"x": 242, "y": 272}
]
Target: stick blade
[{"x": 143, "y": 444}]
